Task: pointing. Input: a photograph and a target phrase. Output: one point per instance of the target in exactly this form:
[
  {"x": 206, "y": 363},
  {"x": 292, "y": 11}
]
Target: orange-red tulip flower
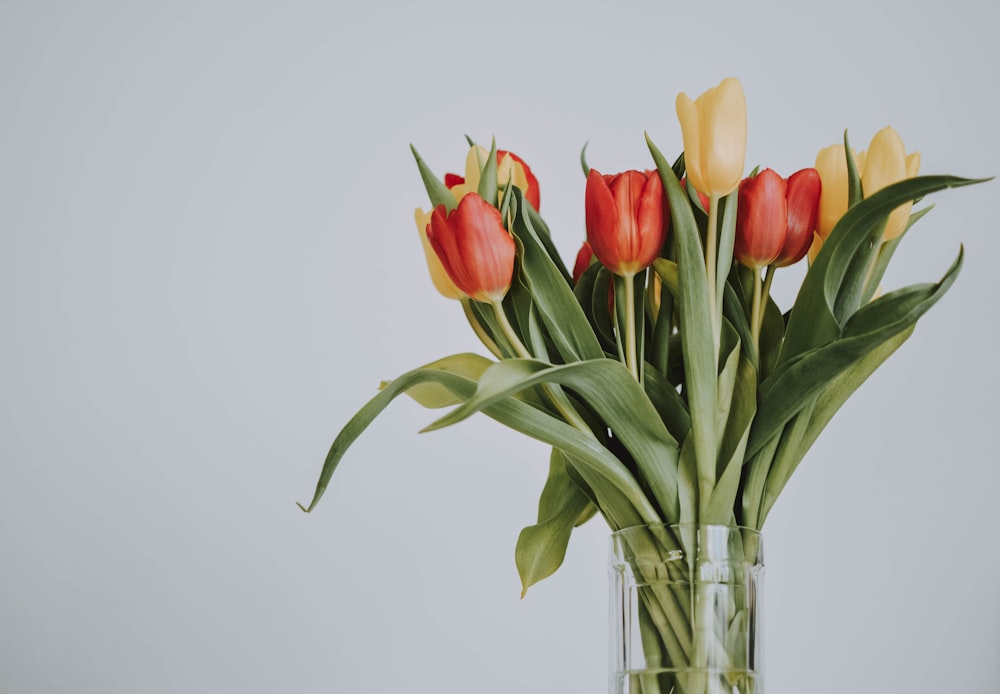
[
  {"x": 626, "y": 220},
  {"x": 474, "y": 248},
  {"x": 438, "y": 275},
  {"x": 802, "y": 195},
  {"x": 776, "y": 218}
]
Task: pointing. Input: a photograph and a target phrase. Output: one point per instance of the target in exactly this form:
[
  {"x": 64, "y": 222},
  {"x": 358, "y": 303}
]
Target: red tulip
[
  {"x": 776, "y": 218},
  {"x": 626, "y": 220},
  {"x": 802, "y": 196},
  {"x": 474, "y": 248}
]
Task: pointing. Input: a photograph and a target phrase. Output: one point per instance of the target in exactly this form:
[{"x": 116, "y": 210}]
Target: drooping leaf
[
  {"x": 541, "y": 547},
  {"x": 611, "y": 393},
  {"x": 621, "y": 493},
  {"x": 433, "y": 395}
]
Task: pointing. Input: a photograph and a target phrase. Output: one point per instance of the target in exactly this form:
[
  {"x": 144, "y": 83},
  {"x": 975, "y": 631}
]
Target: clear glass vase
[{"x": 686, "y": 610}]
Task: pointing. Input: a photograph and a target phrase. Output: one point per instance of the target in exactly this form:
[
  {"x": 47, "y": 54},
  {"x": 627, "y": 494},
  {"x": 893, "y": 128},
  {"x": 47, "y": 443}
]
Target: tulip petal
[
  {"x": 723, "y": 121},
  {"x": 484, "y": 260},
  {"x": 439, "y": 276},
  {"x": 761, "y": 219},
  {"x": 687, "y": 114},
  {"x": 831, "y": 163},
  {"x": 803, "y": 193},
  {"x": 651, "y": 219},
  {"x": 602, "y": 220}
]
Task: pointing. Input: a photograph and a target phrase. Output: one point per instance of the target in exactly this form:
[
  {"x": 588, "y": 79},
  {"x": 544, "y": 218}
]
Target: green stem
[
  {"x": 554, "y": 392},
  {"x": 630, "y": 344},
  {"x": 479, "y": 330},
  {"x": 755, "y": 312},
  {"x": 711, "y": 251}
]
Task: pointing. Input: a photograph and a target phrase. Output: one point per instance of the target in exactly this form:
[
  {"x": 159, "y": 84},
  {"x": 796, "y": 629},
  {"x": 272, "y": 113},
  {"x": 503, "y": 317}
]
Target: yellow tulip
[
  {"x": 884, "y": 163},
  {"x": 714, "y": 127},
  {"x": 888, "y": 163},
  {"x": 831, "y": 162},
  {"x": 442, "y": 282}
]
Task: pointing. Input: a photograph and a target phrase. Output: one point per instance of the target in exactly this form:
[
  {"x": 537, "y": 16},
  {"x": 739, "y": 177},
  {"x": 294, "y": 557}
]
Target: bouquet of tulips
[{"x": 670, "y": 386}]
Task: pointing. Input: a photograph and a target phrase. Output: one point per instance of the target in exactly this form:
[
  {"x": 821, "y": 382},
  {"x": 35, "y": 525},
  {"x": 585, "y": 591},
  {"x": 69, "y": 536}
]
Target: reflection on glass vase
[{"x": 686, "y": 610}]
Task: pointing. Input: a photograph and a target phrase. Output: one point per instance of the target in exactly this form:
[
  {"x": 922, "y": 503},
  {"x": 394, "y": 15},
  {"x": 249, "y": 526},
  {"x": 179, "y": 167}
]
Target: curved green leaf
[
  {"x": 821, "y": 308},
  {"x": 613, "y": 395},
  {"x": 560, "y": 312},
  {"x": 696, "y": 311},
  {"x": 795, "y": 383},
  {"x": 541, "y": 548},
  {"x": 598, "y": 466}
]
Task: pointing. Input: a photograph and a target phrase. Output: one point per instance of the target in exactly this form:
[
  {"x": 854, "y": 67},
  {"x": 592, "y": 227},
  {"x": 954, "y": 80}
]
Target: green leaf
[
  {"x": 669, "y": 274},
  {"x": 437, "y": 191},
  {"x": 561, "y": 314},
  {"x": 820, "y": 310},
  {"x": 541, "y": 548},
  {"x": 718, "y": 509},
  {"x": 854, "y": 192},
  {"x": 612, "y": 394},
  {"x": 668, "y": 403},
  {"x": 622, "y": 497},
  {"x": 583, "y": 160},
  {"x": 541, "y": 230},
  {"x": 727, "y": 242},
  {"x": 433, "y": 395},
  {"x": 700, "y": 365},
  {"x": 830, "y": 399},
  {"x": 886, "y": 250},
  {"x": 592, "y": 292},
  {"x": 488, "y": 176},
  {"x": 795, "y": 383}
]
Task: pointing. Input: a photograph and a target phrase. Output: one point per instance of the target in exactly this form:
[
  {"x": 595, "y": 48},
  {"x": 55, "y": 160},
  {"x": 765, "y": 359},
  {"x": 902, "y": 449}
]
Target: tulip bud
[
  {"x": 625, "y": 219},
  {"x": 888, "y": 163},
  {"x": 439, "y": 277},
  {"x": 714, "y": 127},
  {"x": 475, "y": 250}
]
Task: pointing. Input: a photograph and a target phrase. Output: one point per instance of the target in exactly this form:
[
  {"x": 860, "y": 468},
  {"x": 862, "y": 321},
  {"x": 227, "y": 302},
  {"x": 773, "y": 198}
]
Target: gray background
[{"x": 208, "y": 262}]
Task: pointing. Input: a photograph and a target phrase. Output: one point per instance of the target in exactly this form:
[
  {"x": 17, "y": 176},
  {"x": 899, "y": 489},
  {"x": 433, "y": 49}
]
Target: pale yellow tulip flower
[
  {"x": 888, "y": 163},
  {"x": 714, "y": 127}
]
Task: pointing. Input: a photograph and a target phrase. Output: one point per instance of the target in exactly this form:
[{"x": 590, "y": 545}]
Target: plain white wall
[{"x": 208, "y": 262}]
